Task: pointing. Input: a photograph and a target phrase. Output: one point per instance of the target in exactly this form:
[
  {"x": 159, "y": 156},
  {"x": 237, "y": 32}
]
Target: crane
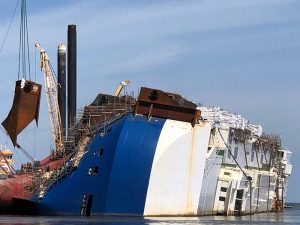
[
  {"x": 120, "y": 87},
  {"x": 52, "y": 100}
]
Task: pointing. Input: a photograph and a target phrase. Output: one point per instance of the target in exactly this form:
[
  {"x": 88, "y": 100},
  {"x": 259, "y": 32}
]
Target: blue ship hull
[{"x": 113, "y": 174}]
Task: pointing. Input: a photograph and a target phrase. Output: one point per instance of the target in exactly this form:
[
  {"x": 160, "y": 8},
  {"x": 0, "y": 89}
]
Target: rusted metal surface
[
  {"x": 25, "y": 108},
  {"x": 26, "y": 181},
  {"x": 153, "y": 102},
  {"x": 105, "y": 107},
  {"x": 18, "y": 186}
]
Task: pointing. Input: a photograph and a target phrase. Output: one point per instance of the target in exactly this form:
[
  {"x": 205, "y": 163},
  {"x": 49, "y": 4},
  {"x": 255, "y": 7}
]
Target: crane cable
[
  {"x": 230, "y": 152},
  {"x": 8, "y": 29},
  {"x": 24, "y": 58}
]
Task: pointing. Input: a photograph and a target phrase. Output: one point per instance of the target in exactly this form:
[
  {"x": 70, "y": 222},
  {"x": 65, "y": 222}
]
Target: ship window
[
  {"x": 227, "y": 173},
  {"x": 221, "y": 152},
  {"x": 96, "y": 170},
  {"x": 221, "y": 198},
  {"x": 101, "y": 151},
  {"x": 266, "y": 157},
  {"x": 93, "y": 171},
  {"x": 261, "y": 158},
  {"x": 90, "y": 171},
  {"x": 228, "y": 154},
  {"x": 235, "y": 151},
  {"x": 212, "y": 136},
  {"x": 247, "y": 148},
  {"x": 252, "y": 155},
  {"x": 239, "y": 194},
  {"x": 230, "y": 136},
  {"x": 223, "y": 189}
]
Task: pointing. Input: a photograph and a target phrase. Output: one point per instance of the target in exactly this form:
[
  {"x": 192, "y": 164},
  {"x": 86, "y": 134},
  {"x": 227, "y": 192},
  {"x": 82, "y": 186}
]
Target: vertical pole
[
  {"x": 71, "y": 73},
  {"x": 250, "y": 183},
  {"x": 250, "y": 198},
  {"x": 61, "y": 94},
  {"x": 281, "y": 179},
  {"x": 258, "y": 191},
  {"x": 269, "y": 183}
]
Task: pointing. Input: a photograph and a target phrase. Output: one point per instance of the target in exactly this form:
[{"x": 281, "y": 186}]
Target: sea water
[{"x": 290, "y": 216}]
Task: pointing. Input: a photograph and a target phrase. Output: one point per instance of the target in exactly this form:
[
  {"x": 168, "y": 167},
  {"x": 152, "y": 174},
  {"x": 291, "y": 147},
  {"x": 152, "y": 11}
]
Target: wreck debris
[{"x": 25, "y": 108}]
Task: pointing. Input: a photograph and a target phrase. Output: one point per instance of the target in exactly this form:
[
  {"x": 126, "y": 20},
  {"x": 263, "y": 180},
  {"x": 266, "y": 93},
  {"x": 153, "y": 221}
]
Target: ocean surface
[{"x": 290, "y": 216}]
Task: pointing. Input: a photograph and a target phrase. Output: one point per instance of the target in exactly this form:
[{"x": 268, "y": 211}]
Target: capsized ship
[
  {"x": 156, "y": 155},
  {"x": 162, "y": 155}
]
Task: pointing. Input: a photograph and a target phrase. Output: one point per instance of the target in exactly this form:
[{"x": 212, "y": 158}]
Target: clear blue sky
[{"x": 241, "y": 55}]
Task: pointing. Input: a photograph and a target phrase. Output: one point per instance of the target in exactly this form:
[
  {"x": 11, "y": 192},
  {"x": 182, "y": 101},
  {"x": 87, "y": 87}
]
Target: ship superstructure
[{"x": 251, "y": 167}]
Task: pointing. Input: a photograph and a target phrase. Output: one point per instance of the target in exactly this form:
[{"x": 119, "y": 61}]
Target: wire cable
[
  {"x": 230, "y": 152},
  {"x": 8, "y": 29},
  {"x": 24, "y": 56},
  {"x": 247, "y": 177}
]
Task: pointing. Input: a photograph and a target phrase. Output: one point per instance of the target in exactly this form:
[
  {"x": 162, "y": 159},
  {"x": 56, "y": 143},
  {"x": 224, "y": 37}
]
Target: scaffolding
[{"x": 92, "y": 119}]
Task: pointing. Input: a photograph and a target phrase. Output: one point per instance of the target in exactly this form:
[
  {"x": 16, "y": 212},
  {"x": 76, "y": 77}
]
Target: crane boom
[
  {"x": 52, "y": 100},
  {"x": 120, "y": 87}
]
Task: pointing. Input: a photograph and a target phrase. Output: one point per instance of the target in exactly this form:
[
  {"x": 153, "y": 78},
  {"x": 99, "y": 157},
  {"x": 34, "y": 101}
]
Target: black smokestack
[
  {"x": 61, "y": 94},
  {"x": 71, "y": 73}
]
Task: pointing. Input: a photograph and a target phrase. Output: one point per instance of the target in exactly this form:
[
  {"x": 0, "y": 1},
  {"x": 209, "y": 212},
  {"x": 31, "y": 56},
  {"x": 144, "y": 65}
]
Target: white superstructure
[{"x": 238, "y": 150}]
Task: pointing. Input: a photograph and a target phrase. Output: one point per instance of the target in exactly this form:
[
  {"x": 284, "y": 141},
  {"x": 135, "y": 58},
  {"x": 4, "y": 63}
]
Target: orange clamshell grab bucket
[{"x": 25, "y": 108}]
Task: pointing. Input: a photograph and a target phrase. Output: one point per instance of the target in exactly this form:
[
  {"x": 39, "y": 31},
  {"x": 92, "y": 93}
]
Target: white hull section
[{"x": 177, "y": 170}]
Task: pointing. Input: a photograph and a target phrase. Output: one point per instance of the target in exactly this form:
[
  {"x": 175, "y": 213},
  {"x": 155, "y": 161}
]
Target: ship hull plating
[
  {"x": 123, "y": 155},
  {"x": 144, "y": 167}
]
